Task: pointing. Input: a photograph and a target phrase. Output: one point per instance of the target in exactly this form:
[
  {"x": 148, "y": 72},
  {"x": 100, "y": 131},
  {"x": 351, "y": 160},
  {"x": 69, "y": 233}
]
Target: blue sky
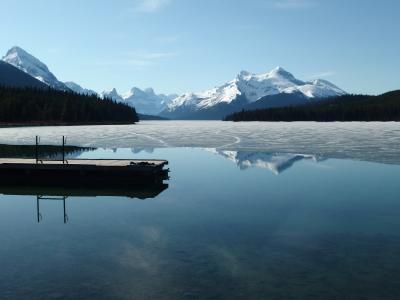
[{"x": 191, "y": 45}]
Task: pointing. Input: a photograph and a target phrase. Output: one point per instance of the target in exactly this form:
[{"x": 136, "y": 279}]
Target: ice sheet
[{"x": 373, "y": 141}]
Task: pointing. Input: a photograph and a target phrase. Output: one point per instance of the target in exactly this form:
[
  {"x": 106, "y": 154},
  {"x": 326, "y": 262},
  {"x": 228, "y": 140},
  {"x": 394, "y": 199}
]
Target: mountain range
[
  {"x": 145, "y": 101},
  {"x": 272, "y": 89},
  {"x": 276, "y": 88}
]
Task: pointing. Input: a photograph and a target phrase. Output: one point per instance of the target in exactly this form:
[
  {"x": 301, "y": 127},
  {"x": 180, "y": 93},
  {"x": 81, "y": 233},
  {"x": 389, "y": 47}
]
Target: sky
[{"x": 178, "y": 46}]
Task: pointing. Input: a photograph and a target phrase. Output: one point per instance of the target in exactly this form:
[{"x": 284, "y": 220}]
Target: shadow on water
[
  {"x": 61, "y": 194},
  {"x": 46, "y": 151},
  {"x": 142, "y": 192}
]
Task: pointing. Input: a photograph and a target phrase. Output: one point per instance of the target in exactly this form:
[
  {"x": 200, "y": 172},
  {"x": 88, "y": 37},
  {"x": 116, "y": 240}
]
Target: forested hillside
[
  {"x": 385, "y": 107},
  {"x": 49, "y": 106}
]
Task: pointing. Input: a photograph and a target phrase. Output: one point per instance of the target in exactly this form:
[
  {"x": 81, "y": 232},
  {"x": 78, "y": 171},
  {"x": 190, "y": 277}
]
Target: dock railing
[{"x": 41, "y": 160}]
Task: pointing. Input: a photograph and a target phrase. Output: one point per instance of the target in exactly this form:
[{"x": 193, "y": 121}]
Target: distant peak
[
  {"x": 112, "y": 91},
  {"x": 243, "y": 74},
  {"x": 149, "y": 91},
  {"x": 24, "y": 60},
  {"x": 282, "y": 73},
  {"x": 135, "y": 89},
  {"x": 17, "y": 51},
  {"x": 279, "y": 70}
]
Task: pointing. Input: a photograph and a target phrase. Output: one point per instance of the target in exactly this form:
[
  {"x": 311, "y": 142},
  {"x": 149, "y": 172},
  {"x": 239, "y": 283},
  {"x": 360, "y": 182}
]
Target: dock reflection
[
  {"x": 61, "y": 198},
  {"x": 61, "y": 194}
]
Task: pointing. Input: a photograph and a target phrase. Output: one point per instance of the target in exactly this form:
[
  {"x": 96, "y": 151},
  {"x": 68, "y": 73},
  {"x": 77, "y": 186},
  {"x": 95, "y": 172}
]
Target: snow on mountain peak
[
  {"x": 150, "y": 91},
  {"x": 17, "y": 56},
  {"x": 26, "y": 62},
  {"x": 254, "y": 87},
  {"x": 243, "y": 74},
  {"x": 78, "y": 89},
  {"x": 145, "y": 101},
  {"x": 280, "y": 72},
  {"x": 112, "y": 94}
]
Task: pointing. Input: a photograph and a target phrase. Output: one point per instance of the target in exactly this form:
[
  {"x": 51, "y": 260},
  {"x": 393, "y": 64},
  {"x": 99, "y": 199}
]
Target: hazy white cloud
[
  {"x": 143, "y": 59},
  {"x": 168, "y": 39},
  {"x": 293, "y": 4},
  {"x": 158, "y": 55},
  {"x": 150, "y": 6},
  {"x": 321, "y": 75},
  {"x": 139, "y": 59}
]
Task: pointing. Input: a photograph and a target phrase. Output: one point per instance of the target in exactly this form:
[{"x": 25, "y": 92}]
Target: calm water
[{"x": 231, "y": 225}]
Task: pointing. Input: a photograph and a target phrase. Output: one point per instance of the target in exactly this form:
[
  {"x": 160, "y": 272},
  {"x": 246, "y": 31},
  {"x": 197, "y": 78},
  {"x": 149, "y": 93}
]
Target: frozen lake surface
[{"x": 374, "y": 141}]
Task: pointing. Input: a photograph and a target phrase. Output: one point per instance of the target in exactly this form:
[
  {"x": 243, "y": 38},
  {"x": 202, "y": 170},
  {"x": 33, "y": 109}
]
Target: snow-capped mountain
[
  {"x": 248, "y": 88},
  {"x": 112, "y": 94},
  {"x": 145, "y": 101},
  {"x": 78, "y": 89},
  {"x": 275, "y": 162},
  {"x": 26, "y": 62},
  {"x": 247, "y": 91}
]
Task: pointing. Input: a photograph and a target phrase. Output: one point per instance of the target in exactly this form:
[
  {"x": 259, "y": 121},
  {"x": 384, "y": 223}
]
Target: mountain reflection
[
  {"x": 137, "y": 150},
  {"x": 275, "y": 162}
]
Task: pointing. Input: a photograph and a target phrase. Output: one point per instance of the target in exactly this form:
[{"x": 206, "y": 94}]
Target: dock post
[
  {"x": 63, "y": 149},
  {"x": 37, "y": 208},
  {"x": 36, "y": 149},
  {"x": 65, "y": 214}
]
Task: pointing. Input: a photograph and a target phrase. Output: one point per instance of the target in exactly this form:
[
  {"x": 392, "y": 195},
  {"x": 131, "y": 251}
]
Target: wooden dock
[{"x": 82, "y": 171}]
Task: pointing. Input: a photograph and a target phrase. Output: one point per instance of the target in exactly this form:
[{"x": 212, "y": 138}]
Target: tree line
[
  {"x": 385, "y": 107},
  {"x": 50, "y": 106}
]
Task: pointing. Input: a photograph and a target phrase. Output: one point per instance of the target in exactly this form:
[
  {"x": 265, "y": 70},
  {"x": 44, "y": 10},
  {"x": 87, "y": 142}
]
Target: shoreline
[{"x": 45, "y": 124}]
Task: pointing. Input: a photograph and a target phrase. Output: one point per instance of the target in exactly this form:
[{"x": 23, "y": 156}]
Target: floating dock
[{"x": 79, "y": 172}]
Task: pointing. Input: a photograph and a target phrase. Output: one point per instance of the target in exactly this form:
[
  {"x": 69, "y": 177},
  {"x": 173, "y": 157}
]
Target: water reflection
[
  {"x": 326, "y": 232},
  {"x": 137, "y": 150},
  {"x": 275, "y": 162},
  {"x": 61, "y": 194},
  {"x": 142, "y": 192},
  {"x": 46, "y": 151},
  {"x": 61, "y": 198}
]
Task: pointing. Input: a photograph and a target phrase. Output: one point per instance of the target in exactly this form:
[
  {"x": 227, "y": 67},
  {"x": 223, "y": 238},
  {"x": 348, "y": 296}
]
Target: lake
[{"x": 251, "y": 211}]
